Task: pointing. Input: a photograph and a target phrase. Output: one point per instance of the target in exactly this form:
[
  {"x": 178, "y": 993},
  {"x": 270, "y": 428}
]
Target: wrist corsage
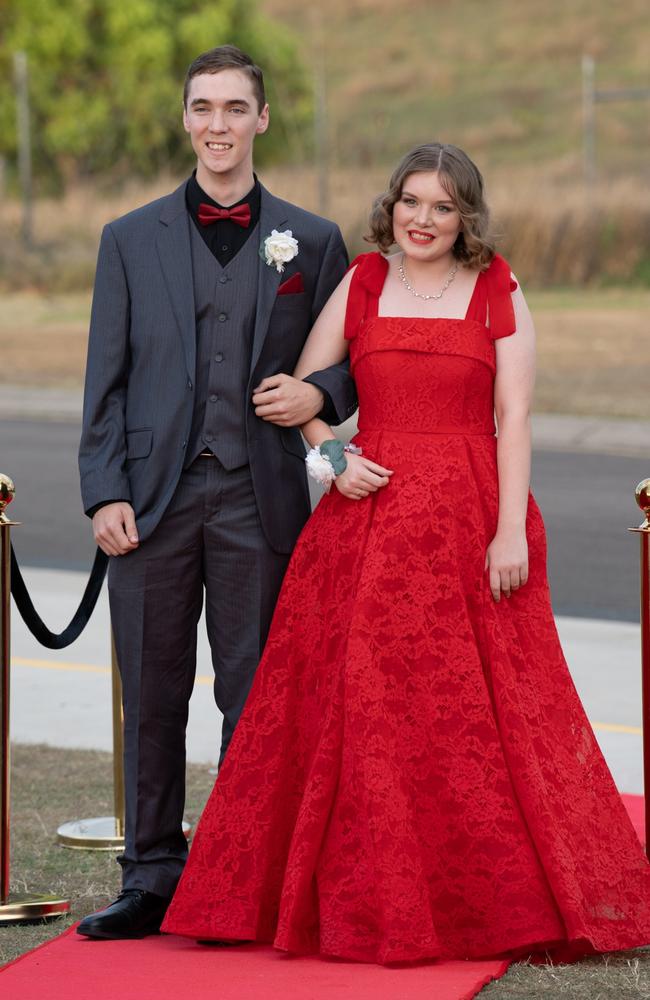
[{"x": 326, "y": 462}]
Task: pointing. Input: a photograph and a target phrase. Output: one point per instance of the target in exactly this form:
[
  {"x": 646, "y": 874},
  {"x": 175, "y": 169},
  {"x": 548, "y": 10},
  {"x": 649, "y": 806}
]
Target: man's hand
[
  {"x": 114, "y": 529},
  {"x": 287, "y": 401}
]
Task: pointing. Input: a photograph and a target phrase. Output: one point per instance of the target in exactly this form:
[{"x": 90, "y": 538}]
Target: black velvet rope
[{"x": 32, "y": 619}]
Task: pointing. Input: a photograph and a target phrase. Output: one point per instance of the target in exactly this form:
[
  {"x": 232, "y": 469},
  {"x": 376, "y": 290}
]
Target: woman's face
[{"x": 426, "y": 220}]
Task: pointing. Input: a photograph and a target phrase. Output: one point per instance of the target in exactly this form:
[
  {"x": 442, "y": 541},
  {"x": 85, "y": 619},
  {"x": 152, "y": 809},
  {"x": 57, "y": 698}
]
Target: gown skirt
[{"x": 414, "y": 776}]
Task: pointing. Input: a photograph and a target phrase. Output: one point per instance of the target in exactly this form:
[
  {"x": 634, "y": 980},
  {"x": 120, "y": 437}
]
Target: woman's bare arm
[
  {"x": 326, "y": 345},
  {"x": 507, "y": 554}
]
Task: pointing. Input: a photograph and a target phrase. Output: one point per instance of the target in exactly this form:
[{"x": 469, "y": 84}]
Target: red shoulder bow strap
[
  {"x": 500, "y": 284},
  {"x": 365, "y": 289}
]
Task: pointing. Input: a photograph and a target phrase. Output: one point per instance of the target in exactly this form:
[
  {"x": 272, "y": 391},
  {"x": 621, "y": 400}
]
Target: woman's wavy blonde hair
[{"x": 462, "y": 180}]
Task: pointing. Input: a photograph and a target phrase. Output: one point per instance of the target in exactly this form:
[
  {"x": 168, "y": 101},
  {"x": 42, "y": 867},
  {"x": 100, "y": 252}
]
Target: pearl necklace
[{"x": 419, "y": 295}]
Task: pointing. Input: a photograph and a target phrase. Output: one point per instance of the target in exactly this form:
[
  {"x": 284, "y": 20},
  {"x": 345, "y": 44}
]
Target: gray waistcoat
[{"x": 225, "y": 300}]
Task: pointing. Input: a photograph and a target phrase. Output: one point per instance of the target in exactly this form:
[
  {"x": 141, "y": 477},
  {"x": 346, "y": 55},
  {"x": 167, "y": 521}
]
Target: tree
[{"x": 106, "y": 80}]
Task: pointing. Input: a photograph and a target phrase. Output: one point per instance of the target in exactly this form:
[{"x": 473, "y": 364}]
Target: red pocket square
[{"x": 292, "y": 285}]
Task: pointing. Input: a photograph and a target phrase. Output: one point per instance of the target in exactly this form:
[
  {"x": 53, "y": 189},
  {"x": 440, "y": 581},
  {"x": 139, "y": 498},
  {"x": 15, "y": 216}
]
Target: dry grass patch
[
  {"x": 552, "y": 233},
  {"x": 593, "y": 357},
  {"x": 624, "y": 976},
  {"x": 43, "y": 339}
]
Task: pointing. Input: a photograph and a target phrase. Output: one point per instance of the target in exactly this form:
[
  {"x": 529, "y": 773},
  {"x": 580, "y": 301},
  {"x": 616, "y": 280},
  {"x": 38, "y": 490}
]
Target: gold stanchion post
[
  {"x": 14, "y": 908},
  {"x": 642, "y": 494},
  {"x": 106, "y": 833}
]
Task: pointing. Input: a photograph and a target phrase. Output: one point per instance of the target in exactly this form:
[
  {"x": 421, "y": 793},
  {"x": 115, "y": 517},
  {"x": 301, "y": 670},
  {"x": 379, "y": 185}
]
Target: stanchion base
[
  {"x": 21, "y": 908},
  {"x": 98, "y": 834}
]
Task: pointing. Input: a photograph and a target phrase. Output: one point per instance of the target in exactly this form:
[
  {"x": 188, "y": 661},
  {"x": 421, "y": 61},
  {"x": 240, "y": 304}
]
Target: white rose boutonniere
[{"x": 279, "y": 248}]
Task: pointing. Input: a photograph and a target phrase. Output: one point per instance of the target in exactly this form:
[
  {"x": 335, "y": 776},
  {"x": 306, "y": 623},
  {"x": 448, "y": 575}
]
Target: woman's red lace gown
[{"x": 413, "y": 775}]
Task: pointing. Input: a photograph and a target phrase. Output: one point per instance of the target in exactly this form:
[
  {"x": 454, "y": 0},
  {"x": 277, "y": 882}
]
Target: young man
[{"x": 191, "y": 466}]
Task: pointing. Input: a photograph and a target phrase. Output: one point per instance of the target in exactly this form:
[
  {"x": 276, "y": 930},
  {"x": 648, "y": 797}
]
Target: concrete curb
[
  {"x": 23, "y": 402},
  {"x": 564, "y": 432}
]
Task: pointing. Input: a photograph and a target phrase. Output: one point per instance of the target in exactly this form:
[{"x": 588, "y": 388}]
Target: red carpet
[
  {"x": 635, "y": 810},
  {"x": 170, "y": 968}
]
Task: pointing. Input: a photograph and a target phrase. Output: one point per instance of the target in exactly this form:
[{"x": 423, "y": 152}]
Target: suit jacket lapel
[
  {"x": 273, "y": 215},
  {"x": 175, "y": 254}
]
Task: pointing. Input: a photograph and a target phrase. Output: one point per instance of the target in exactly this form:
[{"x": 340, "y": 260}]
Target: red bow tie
[{"x": 241, "y": 214}]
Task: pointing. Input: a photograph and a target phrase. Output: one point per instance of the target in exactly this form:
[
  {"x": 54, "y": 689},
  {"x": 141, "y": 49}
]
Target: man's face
[{"x": 222, "y": 117}]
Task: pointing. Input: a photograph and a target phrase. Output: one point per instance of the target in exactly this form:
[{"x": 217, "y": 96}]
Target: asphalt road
[{"x": 586, "y": 499}]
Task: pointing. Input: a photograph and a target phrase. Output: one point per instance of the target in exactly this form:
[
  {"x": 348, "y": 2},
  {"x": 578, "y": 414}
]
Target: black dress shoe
[{"x": 134, "y": 914}]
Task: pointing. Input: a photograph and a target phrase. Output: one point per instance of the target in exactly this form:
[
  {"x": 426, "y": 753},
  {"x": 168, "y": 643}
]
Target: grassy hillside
[{"x": 499, "y": 77}]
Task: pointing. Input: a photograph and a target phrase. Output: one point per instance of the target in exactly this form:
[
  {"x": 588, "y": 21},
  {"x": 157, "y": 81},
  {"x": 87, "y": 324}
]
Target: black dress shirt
[{"x": 223, "y": 238}]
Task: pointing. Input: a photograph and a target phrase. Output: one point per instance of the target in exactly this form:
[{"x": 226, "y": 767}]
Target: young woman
[{"x": 414, "y": 776}]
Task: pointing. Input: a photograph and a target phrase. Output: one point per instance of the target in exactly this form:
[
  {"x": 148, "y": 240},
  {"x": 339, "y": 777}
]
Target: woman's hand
[
  {"x": 507, "y": 562},
  {"x": 361, "y": 477}
]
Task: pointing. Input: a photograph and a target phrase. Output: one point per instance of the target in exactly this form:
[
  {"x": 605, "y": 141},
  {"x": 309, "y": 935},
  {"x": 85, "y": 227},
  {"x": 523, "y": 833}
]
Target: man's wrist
[
  {"x": 103, "y": 503},
  {"x": 325, "y": 399}
]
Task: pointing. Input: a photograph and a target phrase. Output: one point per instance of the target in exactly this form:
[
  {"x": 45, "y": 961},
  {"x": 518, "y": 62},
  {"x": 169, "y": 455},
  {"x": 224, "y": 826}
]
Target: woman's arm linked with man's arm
[{"x": 326, "y": 347}]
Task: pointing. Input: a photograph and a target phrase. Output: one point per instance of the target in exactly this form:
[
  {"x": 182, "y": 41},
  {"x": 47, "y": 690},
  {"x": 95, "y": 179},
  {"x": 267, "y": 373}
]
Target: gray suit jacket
[{"x": 138, "y": 398}]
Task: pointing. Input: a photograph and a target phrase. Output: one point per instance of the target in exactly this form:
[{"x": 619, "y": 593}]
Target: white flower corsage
[
  {"x": 279, "y": 248},
  {"x": 326, "y": 461},
  {"x": 320, "y": 468}
]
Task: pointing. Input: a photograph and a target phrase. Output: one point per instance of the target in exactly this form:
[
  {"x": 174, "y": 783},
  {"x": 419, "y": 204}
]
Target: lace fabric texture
[{"x": 414, "y": 776}]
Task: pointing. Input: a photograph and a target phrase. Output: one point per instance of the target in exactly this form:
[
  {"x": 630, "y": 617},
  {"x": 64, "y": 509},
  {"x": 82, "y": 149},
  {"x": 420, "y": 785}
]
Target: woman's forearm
[
  {"x": 316, "y": 431},
  {"x": 513, "y": 463}
]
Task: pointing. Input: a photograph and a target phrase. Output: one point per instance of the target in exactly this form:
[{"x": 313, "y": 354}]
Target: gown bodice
[{"x": 426, "y": 376}]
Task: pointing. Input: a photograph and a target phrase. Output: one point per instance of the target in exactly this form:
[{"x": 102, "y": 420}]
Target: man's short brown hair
[{"x": 226, "y": 57}]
